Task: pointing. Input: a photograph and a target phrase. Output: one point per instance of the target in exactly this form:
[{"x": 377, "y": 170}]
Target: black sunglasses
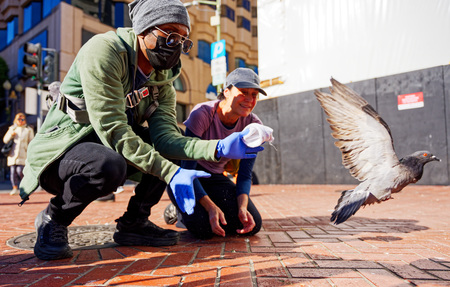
[{"x": 173, "y": 39}]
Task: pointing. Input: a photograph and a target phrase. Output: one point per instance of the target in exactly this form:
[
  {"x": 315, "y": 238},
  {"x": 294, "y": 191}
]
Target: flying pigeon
[{"x": 367, "y": 148}]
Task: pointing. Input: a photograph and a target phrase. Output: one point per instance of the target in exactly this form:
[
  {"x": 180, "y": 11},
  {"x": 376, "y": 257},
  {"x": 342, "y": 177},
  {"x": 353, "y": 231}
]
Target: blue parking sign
[{"x": 218, "y": 49}]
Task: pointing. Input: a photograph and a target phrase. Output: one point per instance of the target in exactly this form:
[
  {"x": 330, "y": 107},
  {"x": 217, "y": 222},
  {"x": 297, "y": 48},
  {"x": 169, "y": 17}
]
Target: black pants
[
  {"x": 222, "y": 192},
  {"x": 90, "y": 170}
]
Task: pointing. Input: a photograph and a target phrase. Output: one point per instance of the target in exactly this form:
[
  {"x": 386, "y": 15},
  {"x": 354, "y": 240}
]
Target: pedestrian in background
[
  {"x": 224, "y": 207},
  {"x": 21, "y": 134}
]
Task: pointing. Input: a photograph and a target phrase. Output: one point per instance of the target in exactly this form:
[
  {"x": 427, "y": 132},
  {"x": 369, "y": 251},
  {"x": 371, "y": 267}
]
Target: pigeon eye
[{"x": 425, "y": 154}]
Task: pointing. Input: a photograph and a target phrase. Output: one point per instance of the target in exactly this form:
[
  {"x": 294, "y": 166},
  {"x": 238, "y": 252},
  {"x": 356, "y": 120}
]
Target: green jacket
[{"x": 101, "y": 74}]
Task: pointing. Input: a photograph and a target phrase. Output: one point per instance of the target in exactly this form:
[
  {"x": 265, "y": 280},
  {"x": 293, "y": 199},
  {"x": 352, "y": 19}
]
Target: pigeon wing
[{"x": 361, "y": 134}]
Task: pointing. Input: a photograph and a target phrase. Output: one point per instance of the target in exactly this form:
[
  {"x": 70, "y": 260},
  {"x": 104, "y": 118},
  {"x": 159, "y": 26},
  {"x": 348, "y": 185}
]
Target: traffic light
[
  {"x": 32, "y": 61},
  {"x": 50, "y": 72}
]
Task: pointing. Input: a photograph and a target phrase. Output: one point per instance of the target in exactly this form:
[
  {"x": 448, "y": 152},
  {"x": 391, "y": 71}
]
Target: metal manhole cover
[{"x": 80, "y": 237}]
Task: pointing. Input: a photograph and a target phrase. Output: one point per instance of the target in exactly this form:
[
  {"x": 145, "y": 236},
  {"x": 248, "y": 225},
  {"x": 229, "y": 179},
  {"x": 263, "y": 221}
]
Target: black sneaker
[
  {"x": 143, "y": 233},
  {"x": 51, "y": 239}
]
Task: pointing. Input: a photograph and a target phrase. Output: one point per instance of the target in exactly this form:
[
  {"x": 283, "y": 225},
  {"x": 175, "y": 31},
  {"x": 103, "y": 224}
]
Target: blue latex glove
[
  {"x": 233, "y": 147},
  {"x": 183, "y": 190}
]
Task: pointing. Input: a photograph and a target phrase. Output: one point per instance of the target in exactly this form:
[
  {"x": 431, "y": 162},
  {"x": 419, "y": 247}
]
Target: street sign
[
  {"x": 218, "y": 49},
  {"x": 218, "y": 62},
  {"x": 32, "y": 96}
]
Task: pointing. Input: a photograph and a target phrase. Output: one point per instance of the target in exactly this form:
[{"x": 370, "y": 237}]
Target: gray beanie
[{"x": 150, "y": 13}]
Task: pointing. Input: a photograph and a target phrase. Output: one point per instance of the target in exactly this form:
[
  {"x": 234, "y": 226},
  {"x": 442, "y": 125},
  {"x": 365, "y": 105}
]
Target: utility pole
[{"x": 215, "y": 20}]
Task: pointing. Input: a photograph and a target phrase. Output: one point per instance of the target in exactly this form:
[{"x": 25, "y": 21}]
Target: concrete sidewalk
[{"x": 402, "y": 242}]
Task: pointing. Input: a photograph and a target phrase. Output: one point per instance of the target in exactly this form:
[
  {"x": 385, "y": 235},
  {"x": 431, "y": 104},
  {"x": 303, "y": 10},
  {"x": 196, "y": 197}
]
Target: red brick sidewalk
[{"x": 402, "y": 242}]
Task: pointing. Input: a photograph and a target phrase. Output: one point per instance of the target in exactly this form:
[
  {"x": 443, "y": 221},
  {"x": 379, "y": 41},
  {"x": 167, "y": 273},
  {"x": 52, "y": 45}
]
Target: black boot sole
[
  {"x": 45, "y": 255},
  {"x": 133, "y": 239}
]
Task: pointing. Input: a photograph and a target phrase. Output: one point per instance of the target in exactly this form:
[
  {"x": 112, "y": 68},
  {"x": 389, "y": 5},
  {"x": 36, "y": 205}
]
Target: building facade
[{"x": 66, "y": 25}]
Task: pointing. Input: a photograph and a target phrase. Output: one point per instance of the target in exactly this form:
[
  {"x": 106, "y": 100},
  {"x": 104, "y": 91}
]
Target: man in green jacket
[{"x": 115, "y": 117}]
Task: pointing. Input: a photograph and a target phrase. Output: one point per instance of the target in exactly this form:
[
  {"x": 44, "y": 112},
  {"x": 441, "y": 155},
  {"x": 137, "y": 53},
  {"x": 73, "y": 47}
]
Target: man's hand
[
  {"x": 183, "y": 189},
  {"x": 234, "y": 147}
]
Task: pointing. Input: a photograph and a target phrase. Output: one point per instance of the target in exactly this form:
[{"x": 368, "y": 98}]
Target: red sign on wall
[{"x": 410, "y": 101}]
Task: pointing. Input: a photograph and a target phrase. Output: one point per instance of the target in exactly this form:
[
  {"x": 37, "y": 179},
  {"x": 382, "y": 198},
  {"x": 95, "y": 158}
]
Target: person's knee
[
  {"x": 199, "y": 230},
  {"x": 201, "y": 233},
  {"x": 257, "y": 228},
  {"x": 113, "y": 169}
]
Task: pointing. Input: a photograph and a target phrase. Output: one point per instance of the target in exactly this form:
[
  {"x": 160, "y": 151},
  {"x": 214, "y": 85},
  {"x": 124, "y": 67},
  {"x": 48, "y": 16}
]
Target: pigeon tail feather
[{"x": 348, "y": 204}]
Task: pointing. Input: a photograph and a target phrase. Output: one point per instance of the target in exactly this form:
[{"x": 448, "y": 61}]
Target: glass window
[
  {"x": 254, "y": 31},
  {"x": 254, "y": 68},
  {"x": 88, "y": 6},
  {"x": 31, "y": 15},
  {"x": 204, "y": 51},
  {"x": 243, "y": 22},
  {"x": 240, "y": 63},
  {"x": 227, "y": 12},
  {"x": 181, "y": 112},
  {"x": 48, "y": 5},
  {"x": 121, "y": 15},
  {"x": 12, "y": 28},
  {"x": 179, "y": 85},
  {"x": 106, "y": 12},
  {"x": 85, "y": 36},
  {"x": 254, "y": 12},
  {"x": 244, "y": 3},
  {"x": 3, "y": 34}
]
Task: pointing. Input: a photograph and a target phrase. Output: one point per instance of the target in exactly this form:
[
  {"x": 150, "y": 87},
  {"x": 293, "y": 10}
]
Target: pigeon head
[
  {"x": 416, "y": 161},
  {"x": 425, "y": 156}
]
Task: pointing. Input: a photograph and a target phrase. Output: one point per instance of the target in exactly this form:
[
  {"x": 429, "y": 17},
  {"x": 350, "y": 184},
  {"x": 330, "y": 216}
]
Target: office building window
[
  {"x": 48, "y": 5},
  {"x": 106, "y": 12},
  {"x": 240, "y": 63},
  {"x": 12, "y": 28},
  {"x": 3, "y": 34},
  {"x": 204, "y": 51},
  {"x": 121, "y": 17},
  {"x": 89, "y": 7},
  {"x": 254, "y": 68},
  {"x": 211, "y": 92},
  {"x": 32, "y": 15},
  {"x": 244, "y": 3},
  {"x": 181, "y": 112},
  {"x": 227, "y": 12},
  {"x": 254, "y": 12},
  {"x": 254, "y": 31},
  {"x": 178, "y": 84},
  {"x": 243, "y": 22},
  {"x": 85, "y": 36}
]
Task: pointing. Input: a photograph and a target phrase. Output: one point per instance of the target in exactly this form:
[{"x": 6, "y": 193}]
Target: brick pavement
[{"x": 402, "y": 242}]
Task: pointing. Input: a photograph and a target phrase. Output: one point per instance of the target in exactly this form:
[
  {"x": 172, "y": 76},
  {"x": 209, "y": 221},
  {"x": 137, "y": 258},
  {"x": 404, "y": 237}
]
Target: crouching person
[
  {"x": 116, "y": 116},
  {"x": 223, "y": 207}
]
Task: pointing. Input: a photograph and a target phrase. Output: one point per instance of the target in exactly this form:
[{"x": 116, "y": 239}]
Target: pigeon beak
[{"x": 435, "y": 158}]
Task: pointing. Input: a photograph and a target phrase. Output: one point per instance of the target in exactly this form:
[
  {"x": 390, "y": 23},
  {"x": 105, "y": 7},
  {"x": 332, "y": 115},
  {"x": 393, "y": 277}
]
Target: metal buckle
[{"x": 134, "y": 98}]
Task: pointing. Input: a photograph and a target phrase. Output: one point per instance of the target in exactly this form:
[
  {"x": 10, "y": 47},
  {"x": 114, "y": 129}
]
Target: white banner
[{"x": 307, "y": 42}]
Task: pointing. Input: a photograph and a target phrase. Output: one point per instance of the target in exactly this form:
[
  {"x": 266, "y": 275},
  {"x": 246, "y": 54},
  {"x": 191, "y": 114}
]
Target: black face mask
[{"x": 163, "y": 57}]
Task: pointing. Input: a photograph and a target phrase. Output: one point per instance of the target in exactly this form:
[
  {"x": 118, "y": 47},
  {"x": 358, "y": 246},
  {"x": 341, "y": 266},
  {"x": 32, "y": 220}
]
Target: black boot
[
  {"x": 143, "y": 232},
  {"x": 51, "y": 239}
]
